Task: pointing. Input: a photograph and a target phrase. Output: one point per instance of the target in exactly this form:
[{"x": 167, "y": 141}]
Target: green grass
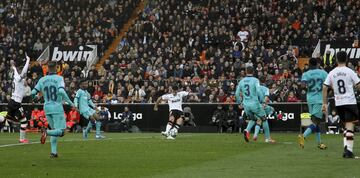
[{"x": 191, "y": 155}]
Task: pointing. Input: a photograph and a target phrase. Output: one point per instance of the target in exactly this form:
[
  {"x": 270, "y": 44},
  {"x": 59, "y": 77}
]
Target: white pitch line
[
  {"x": 74, "y": 140},
  {"x": 79, "y": 140}
]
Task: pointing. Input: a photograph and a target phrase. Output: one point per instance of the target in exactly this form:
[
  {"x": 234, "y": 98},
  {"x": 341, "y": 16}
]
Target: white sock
[
  {"x": 344, "y": 138},
  {"x": 22, "y": 134},
  {"x": 23, "y": 126},
  {"x": 350, "y": 140},
  {"x": 168, "y": 127},
  {"x": 176, "y": 129}
]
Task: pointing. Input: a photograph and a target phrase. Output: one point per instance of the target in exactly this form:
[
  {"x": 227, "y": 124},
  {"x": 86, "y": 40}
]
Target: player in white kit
[
  {"x": 343, "y": 80},
  {"x": 174, "y": 99},
  {"x": 15, "y": 111}
]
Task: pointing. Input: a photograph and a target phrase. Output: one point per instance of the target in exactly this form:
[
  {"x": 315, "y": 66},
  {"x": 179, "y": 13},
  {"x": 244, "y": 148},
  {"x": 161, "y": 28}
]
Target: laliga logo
[
  {"x": 285, "y": 116},
  {"x": 136, "y": 116}
]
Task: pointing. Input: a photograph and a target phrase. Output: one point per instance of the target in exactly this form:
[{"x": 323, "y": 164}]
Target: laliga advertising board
[{"x": 146, "y": 119}]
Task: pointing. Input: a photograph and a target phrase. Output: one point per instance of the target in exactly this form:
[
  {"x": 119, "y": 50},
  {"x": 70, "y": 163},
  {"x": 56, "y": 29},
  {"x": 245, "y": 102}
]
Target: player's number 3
[{"x": 247, "y": 90}]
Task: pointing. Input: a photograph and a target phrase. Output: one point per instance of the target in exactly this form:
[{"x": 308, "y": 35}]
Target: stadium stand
[{"x": 203, "y": 47}]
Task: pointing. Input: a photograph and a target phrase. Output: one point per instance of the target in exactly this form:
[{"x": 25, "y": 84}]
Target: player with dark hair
[
  {"x": 313, "y": 79},
  {"x": 87, "y": 109},
  {"x": 53, "y": 88},
  {"x": 343, "y": 80},
  {"x": 174, "y": 99},
  {"x": 248, "y": 92},
  {"x": 15, "y": 111}
]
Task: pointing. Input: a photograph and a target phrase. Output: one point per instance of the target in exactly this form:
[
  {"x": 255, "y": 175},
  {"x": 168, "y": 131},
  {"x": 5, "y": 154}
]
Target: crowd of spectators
[
  {"x": 32, "y": 26},
  {"x": 205, "y": 46}
]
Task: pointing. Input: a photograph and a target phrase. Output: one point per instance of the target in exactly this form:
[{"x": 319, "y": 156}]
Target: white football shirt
[
  {"x": 175, "y": 101},
  {"x": 18, "y": 84},
  {"x": 342, "y": 80},
  {"x": 18, "y": 88}
]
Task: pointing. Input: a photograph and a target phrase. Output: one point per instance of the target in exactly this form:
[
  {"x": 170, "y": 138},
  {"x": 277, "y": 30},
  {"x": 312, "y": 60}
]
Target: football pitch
[{"x": 190, "y": 155}]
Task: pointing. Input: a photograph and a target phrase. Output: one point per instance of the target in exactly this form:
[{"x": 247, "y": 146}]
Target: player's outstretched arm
[
  {"x": 91, "y": 103},
  {"x": 237, "y": 94},
  {"x": 36, "y": 90},
  {"x": 157, "y": 103},
  {"x": 26, "y": 67}
]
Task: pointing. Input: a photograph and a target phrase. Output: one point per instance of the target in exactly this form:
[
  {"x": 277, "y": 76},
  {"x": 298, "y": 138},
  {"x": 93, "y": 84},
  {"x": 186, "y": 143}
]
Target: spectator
[
  {"x": 104, "y": 113},
  {"x": 35, "y": 117},
  {"x": 232, "y": 119},
  {"x": 166, "y": 46},
  {"x": 189, "y": 117},
  {"x": 292, "y": 97},
  {"x": 73, "y": 120},
  {"x": 333, "y": 123},
  {"x": 127, "y": 119},
  {"x": 218, "y": 118}
]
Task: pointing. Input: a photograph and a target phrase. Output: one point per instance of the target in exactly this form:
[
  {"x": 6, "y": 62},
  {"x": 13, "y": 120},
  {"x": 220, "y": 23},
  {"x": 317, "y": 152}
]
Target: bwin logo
[
  {"x": 136, "y": 116},
  {"x": 285, "y": 116},
  {"x": 353, "y": 53},
  {"x": 80, "y": 53}
]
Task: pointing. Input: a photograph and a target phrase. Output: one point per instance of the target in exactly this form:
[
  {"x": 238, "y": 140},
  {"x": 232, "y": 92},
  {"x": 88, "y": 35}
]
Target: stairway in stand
[{"x": 125, "y": 28}]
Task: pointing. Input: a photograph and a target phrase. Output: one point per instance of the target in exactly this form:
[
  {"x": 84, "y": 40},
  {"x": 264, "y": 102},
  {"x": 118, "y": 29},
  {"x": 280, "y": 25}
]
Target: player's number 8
[
  {"x": 51, "y": 93},
  {"x": 341, "y": 85}
]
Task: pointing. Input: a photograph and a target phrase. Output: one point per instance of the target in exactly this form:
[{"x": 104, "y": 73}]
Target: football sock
[
  {"x": 266, "y": 128},
  {"x": 98, "y": 127},
  {"x": 349, "y": 142},
  {"x": 257, "y": 130},
  {"x": 53, "y": 141},
  {"x": 251, "y": 124},
  {"x": 309, "y": 130},
  {"x": 88, "y": 127},
  {"x": 344, "y": 138},
  {"x": 318, "y": 134},
  {"x": 168, "y": 127},
  {"x": 23, "y": 126},
  {"x": 176, "y": 127}
]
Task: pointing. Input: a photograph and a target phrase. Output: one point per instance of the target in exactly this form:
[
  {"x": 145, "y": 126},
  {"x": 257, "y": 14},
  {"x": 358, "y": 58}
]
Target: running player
[
  {"x": 343, "y": 80},
  {"x": 15, "y": 111},
  {"x": 314, "y": 79},
  {"x": 87, "y": 109},
  {"x": 174, "y": 99},
  {"x": 53, "y": 88},
  {"x": 252, "y": 97}
]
